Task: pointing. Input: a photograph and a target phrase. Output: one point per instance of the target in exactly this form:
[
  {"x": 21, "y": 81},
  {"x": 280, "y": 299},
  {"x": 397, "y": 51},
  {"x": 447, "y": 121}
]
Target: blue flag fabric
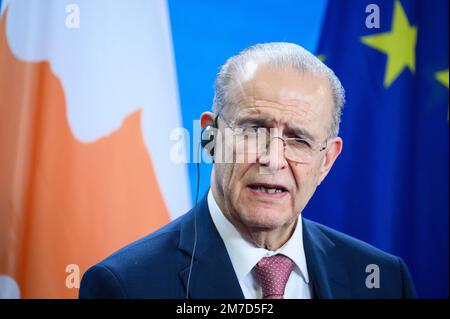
[{"x": 390, "y": 185}]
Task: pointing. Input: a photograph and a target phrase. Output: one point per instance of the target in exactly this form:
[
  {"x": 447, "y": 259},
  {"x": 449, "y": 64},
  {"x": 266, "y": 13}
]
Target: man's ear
[
  {"x": 332, "y": 152},
  {"x": 207, "y": 118}
]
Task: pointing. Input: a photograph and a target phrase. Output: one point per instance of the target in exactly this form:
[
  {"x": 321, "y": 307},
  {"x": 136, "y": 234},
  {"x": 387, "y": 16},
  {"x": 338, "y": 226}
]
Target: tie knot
[{"x": 273, "y": 273}]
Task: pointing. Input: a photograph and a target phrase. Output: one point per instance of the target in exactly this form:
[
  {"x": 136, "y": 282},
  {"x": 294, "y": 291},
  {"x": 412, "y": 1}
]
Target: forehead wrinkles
[
  {"x": 285, "y": 100},
  {"x": 278, "y": 114},
  {"x": 305, "y": 104}
]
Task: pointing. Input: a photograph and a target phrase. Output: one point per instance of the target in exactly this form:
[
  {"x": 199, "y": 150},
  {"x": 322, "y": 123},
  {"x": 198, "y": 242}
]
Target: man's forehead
[
  {"x": 286, "y": 96},
  {"x": 272, "y": 78},
  {"x": 286, "y": 87},
  {"x": 281, "y": 109}
]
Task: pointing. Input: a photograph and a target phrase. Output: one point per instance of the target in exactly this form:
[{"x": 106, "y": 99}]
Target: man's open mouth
[{"x": 268, "y": 188}]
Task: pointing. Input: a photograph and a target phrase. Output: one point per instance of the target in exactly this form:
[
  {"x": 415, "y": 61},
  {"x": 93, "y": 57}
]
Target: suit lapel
[
  {"x": 212, "y": 273},
  {"x": 324, "y": 264}
]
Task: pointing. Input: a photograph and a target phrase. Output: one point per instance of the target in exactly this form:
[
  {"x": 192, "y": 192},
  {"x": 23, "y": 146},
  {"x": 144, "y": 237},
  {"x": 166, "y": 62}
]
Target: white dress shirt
[{"x": 245, "y": 255}]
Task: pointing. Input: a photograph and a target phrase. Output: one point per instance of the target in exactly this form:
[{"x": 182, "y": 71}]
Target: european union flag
[{"x": 390, "y": 185}]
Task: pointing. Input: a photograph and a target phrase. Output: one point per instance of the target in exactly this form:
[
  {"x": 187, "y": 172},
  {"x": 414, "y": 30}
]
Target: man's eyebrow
[
  {"x": 260, "y": 121},
  {"x": 255, "y": 120},
  {"x": 301, "y": 132}
]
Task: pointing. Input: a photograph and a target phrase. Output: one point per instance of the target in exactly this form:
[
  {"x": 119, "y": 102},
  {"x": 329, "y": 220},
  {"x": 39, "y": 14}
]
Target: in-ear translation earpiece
[{"x": 207, "y": 137}]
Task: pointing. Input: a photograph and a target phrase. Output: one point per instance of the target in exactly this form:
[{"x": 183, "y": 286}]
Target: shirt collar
[{"x": 244, "y": 255}]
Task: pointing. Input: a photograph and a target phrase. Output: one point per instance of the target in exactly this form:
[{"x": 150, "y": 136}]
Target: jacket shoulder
[
  {"x": 359, "y": 259},
  {"x": 344, "y": 242}
]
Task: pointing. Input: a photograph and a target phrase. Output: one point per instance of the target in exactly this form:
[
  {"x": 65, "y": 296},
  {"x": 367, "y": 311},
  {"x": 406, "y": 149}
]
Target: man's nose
[{"x": 273, "y": 159}]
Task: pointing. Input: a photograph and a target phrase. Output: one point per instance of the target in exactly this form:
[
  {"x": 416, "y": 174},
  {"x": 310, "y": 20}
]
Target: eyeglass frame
[{"x": 321, "y": 146}]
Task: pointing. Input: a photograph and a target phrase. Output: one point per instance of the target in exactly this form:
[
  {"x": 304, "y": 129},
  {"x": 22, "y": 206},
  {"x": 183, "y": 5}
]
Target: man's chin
[
  {"x": 270, "y": 209},
  {"x": 265, "y": 219}
]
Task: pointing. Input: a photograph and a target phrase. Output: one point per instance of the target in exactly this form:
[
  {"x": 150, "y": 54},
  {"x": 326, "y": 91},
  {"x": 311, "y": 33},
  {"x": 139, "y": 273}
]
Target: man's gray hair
[{"x": 242, "y": 66}]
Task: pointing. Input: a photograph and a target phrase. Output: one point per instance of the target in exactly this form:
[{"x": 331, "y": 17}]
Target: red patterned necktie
[{"x": 273, "y": 273}]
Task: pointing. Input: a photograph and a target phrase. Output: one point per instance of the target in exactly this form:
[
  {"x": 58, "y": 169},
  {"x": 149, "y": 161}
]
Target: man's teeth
[{"x": 269, "y": 190}]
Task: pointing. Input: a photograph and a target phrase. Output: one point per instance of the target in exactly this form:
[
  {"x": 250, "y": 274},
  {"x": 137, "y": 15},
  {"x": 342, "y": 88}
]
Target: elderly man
[{"x": 246, "y": 238}]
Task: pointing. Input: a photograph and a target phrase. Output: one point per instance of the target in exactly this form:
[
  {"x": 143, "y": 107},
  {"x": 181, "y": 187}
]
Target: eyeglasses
[{"x": 251, "y": 141}]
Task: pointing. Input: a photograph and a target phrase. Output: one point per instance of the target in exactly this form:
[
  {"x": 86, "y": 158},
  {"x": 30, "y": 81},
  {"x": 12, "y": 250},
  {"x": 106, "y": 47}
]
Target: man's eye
[
  {"x": 301, "y": 142},
  {"x": 250, "y": 129}
]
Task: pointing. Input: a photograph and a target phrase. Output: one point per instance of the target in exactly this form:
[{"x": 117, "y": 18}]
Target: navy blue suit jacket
[{"x": 157, "y": 265}]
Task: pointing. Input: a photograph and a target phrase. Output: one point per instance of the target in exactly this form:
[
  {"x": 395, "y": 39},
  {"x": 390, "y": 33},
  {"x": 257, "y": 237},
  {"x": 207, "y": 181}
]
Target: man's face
[{"x": 296, "y": 105}]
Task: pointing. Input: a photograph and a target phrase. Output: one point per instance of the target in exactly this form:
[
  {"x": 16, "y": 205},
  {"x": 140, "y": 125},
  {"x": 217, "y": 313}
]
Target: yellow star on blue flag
[{"x": 399, "y": 45}]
